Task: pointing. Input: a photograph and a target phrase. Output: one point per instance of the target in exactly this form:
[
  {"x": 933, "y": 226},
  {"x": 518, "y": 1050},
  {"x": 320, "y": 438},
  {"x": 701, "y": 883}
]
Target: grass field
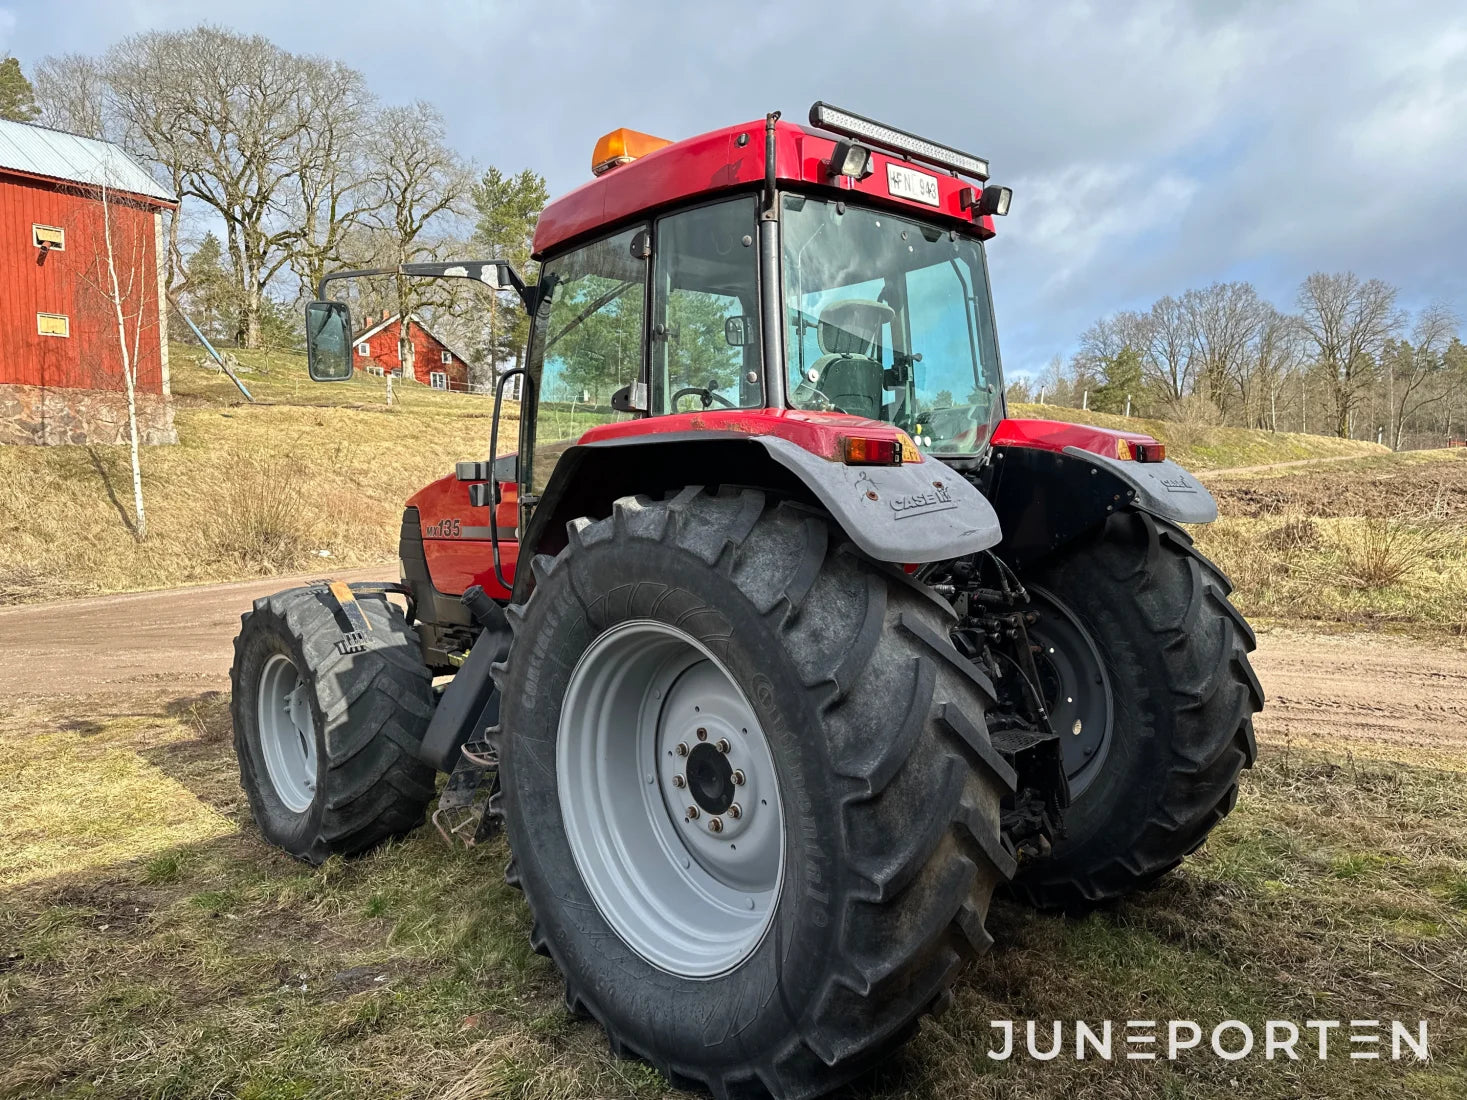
[{"x": 152, "y": 946}]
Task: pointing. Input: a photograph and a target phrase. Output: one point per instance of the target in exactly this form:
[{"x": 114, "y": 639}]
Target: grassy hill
[
  {"x": 315, "y": 476},
  {"x": 250, "y": 489}
]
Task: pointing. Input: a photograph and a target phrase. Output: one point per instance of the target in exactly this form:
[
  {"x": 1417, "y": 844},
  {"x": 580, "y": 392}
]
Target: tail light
[{"x": 860, "y": 451}]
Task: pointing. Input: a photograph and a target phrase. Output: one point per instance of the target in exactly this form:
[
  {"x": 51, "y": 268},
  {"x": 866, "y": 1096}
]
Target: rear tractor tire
[
  {"x": 327, "y": 739},
  {"x": 749, "y": 792},
  {"x": 1144, "y": 663}
]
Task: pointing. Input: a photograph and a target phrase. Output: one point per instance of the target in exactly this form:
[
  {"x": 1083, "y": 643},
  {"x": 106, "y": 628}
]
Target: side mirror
[
  {"x": 328, "y": 341},
  {"x": 738, "y": 332}
]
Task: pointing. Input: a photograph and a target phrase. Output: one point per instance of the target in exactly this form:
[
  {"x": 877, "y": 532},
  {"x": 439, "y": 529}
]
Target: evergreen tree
[
  {"x": 210, "y": 296},
  {"x": 1122, "y": 380},
  {"x": 17, "y": 97},
  {"x": 507, "y": 208}
]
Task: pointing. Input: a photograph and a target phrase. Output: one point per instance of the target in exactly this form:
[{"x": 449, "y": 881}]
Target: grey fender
[
  {"x": 918, "y": 512},
  {"x": 1162, "y": 488},
  {"x": 893, "y": 513}
]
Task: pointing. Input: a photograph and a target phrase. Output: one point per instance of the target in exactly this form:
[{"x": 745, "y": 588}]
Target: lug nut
[
  {"x": 702, "y": 734},
  {"x": 723, "y": 745},
  {"x": 738, "y": 778},
  {"x": 735, "y": 811},
  {"x": 692, "y": 813},
  {"x": 679, "y": 782},
  {"x": 715, "y": 824},
  {"x": 682, "y": 749}
]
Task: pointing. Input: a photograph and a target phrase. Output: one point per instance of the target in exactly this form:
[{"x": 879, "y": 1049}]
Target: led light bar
[{"x": 827, "y": 117}]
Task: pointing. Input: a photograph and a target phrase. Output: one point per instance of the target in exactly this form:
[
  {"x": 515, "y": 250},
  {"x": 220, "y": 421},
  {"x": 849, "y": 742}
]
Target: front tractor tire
[
  {"x": 684, "y": 657},
  {"x": 326, "y": 734},
  {"x": 1144, "y": 664}
]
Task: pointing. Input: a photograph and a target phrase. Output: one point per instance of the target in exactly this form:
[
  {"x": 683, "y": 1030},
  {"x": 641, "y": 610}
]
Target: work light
[
  {"x": 850, "y": 159},
  {"x": 827, "y": 117}
]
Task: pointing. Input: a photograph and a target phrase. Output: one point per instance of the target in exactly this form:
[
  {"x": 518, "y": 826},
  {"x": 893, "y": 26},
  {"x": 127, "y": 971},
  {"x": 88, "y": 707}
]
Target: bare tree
[
  {"x": 115, "y": 267},
  {"x": 1222, "y": 322},
  {"x": 1166, "y": 360},
  {"x": 423, "y": 187},
  {"x": 1347, "y": 323},
  {"x": 1411, "y": 366},
  {"x": 230, "y": 116},
  {"x": 334, "y": 185},
  {"x": 72, "y": 94},
  {"x": 1278, "y": 355}
]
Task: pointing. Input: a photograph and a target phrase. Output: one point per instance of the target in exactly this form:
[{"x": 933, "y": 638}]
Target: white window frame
[
  {"x": 438, "y": 379},
  {"x": 63, "y": 318},
  {"x": 445, "y": 357},
  {"x": 364, "y": 349},
  {"x": 36, "y": 228}
]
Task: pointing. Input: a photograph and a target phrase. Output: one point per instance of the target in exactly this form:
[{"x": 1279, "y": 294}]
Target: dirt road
[
  {"x": 1356, "y": 687},
  {"x": 109, "y": 644}
]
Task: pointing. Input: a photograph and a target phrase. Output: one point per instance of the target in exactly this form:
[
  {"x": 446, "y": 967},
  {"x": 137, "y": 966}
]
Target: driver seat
[{"x": 846, "y": 373}]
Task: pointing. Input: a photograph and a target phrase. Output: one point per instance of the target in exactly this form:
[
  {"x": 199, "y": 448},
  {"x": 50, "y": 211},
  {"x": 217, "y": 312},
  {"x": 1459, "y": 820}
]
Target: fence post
[
  {"x": 1085, "y": 401},
  {"x": 1041, "y": 395},
  {"x": 1128, "y": 404}
]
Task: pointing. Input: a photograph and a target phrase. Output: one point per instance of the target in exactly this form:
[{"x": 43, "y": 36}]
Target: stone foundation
[{"x": 47, "y": 415}]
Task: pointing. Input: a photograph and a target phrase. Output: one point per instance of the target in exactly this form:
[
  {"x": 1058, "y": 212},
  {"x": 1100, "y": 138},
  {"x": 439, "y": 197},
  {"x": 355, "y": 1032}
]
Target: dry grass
[
  {"x": 249, "y": 490},
  {"x": 1386, "y": 551},
  {"x": 153, "y": 946},
  {"x": 1382, "y": 543}
]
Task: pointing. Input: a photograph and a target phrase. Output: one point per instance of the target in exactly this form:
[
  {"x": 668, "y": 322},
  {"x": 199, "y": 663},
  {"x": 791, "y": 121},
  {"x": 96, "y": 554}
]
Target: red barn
[
  {"x": 61, "y": 376},
  {"x": 434, "y": 362}
]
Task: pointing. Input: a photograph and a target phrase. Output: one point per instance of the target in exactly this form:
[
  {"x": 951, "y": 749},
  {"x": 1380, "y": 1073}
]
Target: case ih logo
[{"x": 920, "y": 504}]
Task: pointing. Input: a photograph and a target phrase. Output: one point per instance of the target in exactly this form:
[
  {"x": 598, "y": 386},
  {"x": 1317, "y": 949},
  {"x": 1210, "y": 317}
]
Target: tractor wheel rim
[
  {"x": 287, "y": 733},
  {"x": 670, "y": 799},
  {"x": 1076, "y": 689}
]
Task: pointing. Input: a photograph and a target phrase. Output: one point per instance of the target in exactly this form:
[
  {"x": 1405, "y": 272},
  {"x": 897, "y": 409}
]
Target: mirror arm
[{"x": 465, "y": 269}]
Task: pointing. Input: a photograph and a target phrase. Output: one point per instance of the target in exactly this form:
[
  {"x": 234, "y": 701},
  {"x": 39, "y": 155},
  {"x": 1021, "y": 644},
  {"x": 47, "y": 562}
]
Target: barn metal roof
[{"x": 42, "y": 152}]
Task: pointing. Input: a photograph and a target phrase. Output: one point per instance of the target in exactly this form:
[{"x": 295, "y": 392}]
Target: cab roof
[{"x": 732, "y": 159}]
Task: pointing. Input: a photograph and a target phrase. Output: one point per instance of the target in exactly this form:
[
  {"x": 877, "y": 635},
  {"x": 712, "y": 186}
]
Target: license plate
[{"x": 907, "y": 184}]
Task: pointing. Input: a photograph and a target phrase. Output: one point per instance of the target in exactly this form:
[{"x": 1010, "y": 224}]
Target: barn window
[
  {"x": 53, "y": 324},
  {"x": 438, "y": 380},
  {"x": 50, "y": 237},
  {"x": 445, "y": 357},
  {"x": 364, "y": 349}
]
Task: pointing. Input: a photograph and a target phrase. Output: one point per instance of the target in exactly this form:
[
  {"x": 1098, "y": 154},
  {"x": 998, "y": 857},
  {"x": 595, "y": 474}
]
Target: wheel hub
[
  {"x": 287, "y": 733},
  {"x": 1076, "y": 689},
  {"x": 710, "y": 779},
  {"x": 689, "y": 872}
]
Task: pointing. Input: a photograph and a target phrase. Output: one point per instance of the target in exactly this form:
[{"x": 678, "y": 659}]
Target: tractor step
[{"x": 468, "y": 809}]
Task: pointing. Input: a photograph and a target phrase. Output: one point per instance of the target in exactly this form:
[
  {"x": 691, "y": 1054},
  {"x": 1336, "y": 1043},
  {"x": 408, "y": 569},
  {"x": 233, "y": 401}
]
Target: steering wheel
[{"x": 704, "y": 394}]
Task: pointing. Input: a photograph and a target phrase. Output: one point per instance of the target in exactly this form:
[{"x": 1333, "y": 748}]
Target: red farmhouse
[
  {"x": 433, "y": 361},
  {"x": 61, "y": 377}
]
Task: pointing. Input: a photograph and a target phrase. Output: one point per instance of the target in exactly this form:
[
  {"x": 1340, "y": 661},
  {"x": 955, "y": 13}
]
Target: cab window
[
  {"x": 587, "y": 343},
  {"x": 705, "y": 310}
]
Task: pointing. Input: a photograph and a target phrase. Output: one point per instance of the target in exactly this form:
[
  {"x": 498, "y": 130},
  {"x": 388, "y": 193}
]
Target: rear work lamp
[
  {"x": 827, "y": 117},
  {"x": 850, "y": 159},
  {"x": 860, "y": 451}
]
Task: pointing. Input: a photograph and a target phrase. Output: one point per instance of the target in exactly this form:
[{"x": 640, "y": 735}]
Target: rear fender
[
  {"x": 1047, "y": 499},
  {"x": 916, "y": 512}
]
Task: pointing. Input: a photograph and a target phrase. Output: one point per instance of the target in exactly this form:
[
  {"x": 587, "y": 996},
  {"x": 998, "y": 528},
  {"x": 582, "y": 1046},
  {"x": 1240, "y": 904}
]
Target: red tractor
[{"x": 815, "y": 650}]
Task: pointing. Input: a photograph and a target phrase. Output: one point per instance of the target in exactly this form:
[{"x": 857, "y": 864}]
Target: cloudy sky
[{"x": 1151, "y": 146}]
